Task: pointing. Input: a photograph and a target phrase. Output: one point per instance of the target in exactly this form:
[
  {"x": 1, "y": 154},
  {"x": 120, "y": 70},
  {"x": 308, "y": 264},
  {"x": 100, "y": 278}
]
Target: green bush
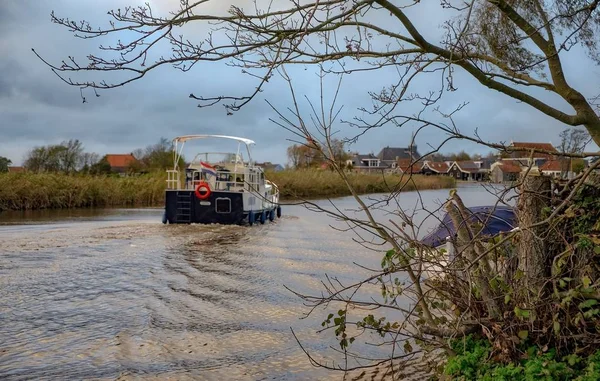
[{"x": 472, "y": 362}]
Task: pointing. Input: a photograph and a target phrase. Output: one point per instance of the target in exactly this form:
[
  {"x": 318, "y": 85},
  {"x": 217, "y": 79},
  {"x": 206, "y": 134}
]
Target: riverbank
[
  {"x": 31, "y": 191},
  {"x": 323, "y": 184}
]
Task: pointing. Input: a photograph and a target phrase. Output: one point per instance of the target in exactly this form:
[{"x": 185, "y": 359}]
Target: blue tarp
[{"x": 497, "y": 219}]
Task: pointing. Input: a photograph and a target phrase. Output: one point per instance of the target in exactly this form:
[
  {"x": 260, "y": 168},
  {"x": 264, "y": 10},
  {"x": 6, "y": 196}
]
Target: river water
[{"x": 114, "y": 294}]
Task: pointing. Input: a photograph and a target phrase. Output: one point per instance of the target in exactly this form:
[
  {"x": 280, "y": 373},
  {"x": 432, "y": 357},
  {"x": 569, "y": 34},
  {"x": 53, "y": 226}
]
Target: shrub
[{"x": 472, "y": 362}]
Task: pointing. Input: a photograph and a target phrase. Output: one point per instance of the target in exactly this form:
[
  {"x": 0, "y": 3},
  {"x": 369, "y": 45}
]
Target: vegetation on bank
[
  {"x": 315, "y": 183},
  {"x": 21, "y": 191},
  {"x": 27, "y": 190},
  {"x": 472, "y": 362}
]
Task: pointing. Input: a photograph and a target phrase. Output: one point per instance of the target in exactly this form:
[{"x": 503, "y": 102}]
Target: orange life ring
[{"x": 202, "y": 184}]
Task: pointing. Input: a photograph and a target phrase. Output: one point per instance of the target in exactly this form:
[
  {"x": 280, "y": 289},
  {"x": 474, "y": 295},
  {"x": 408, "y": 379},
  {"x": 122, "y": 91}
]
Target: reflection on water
[
  {"x": 121, "y": 296},
  {"x": 47, "y": 216}
]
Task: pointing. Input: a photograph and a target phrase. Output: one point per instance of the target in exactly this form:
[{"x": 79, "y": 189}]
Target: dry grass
[
  {"x": 20, "y": 191},
  {"x": 316, "y": 183}
]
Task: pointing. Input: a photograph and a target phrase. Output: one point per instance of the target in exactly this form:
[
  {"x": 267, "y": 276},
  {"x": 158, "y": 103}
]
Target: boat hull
[{"x": 183, "y": 207}]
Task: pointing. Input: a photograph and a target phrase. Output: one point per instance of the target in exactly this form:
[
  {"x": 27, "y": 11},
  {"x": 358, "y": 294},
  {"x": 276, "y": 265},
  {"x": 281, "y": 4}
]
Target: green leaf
[
  {"x": 506, "y": 299},
  {"x": 352, "y": 340},
  {"x": 407, "y": 347},
  {"x": 588, "y": 303},
  {"x": 329, "y": 316},
  {"x": 591, "y": 313},
  {"x": 523, "y": 335},
  {"x": 586, "y": 281},
  {"x": 572, "y": 359},
  {"x": 519, "y": 274},
  {"x": 556, "y": 327},
  {"x": 597, "y": 250},
  {"x": 522, "y": 313}
]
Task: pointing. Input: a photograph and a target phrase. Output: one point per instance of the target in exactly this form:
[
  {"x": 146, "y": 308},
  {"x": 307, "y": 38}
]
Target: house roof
[
  {"x": 267, "y": 165},
  {"x": 393, "y": 153},
  {"x": 369, "y": 156},
  {"x": 533, "y": 145},
  {"x": 405, "y": 165},
  {"x": 439, "y": 167},
  {"x": 467, "y": 166},
  {"x": 120, "y": 160},
  {"x": 16, "y": 169},
  {"x": 528, "y": 146},
  {"x": 357, "y": 160},
  {"x": 509, "y": 167},
  {"x": 551, "y": 166}
]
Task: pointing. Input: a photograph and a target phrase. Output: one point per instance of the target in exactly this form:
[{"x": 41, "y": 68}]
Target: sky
[{"x": 37, "y": 108}]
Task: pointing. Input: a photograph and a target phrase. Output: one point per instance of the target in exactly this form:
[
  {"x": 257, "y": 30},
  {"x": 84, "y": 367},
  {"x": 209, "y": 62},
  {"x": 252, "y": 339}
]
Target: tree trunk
[{"x": 534, "y": 242}]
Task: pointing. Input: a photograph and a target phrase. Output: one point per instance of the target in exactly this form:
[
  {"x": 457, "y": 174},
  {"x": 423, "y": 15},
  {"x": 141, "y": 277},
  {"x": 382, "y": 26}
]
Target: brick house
[
  {"x": 522, "y": 155},
  {"x": 389, "y": 156},
  {"x": 120, "y": 163},
  {"x": 505, "y": 171},
  {"x": 16, "y": 169},
  {"x": 435, "y": 168}
]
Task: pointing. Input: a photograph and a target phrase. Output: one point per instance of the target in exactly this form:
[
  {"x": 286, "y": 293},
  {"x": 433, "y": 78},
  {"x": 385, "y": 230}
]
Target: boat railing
[
  {"x": 172, "y": 179},
  {"x": 274, "y": 191},
  {"x": 225, "y": 181}
]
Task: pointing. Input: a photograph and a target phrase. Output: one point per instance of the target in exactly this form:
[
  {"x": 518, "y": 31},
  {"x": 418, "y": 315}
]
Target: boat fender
[
  {"x": 202, "y": 186},
  {"x": 263, "y": 216},
  {"x": 251, "y": 218},
  {"x": 164, "y": 218},
  {"x": 272, "y": 214},
  {"x": 279, "y": 212}
]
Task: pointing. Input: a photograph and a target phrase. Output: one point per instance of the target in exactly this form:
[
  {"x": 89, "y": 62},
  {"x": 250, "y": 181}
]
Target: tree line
[
  {"x": 70, "y": 157},
  {"x": 308, "y": 154}
]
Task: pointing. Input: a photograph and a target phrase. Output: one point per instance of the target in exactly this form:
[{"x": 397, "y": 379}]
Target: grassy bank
[
  {"x": 20, "y": 191},
  {"x": 26, "y": 191},
  {"x": 316, "y": 184}
]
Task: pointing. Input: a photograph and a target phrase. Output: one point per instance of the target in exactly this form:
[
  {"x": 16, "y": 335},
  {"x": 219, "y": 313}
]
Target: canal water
[{"x": 114, "y": 294}]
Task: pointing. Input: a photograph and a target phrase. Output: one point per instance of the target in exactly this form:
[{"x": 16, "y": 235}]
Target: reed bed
[
  {"x": 28, "y": 191},
  {"x": 317, "y": 184}
]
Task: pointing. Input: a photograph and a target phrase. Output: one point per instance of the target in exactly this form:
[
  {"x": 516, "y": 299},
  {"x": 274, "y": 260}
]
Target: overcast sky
[{"x": 36, "y": 108}]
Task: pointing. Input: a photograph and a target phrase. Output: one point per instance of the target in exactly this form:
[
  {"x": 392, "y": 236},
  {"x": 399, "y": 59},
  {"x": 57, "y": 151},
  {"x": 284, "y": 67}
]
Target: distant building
[
  {"x": 268, "y": 166},
  {"x": 390, "y": 155},
  {"x": 408, "y": 166},
  {"x": 504, "y": 171},
  {"x": 435, "y": 168},
  {"x": 366, "y": 163},
  {"x": 556, "y": 168},
  {"x": 468, "y": 170},
  {"x": 120, "y": 163},
  {"x": 523, "y": 153},
  {"x": 16, "y": 169}
]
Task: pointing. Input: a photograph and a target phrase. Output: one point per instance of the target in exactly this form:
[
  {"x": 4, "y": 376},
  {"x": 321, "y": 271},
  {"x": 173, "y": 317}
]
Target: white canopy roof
[{"x": 192, "y": 137}]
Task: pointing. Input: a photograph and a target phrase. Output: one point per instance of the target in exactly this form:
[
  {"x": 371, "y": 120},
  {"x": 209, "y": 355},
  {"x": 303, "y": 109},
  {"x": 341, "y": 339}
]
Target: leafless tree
[
  {"x": 508, "y": 46},
  {"x": 64, "y": 157},
  {"x": 572, "y": 141},
  {"x": 500, "y": 287}
]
